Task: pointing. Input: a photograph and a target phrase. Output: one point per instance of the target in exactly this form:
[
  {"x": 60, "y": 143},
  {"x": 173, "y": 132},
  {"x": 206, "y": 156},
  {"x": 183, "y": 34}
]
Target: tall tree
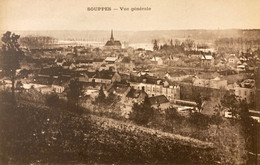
[
  {"x": 19, "y": 86},
  {"x": 188, "y": 43},
  {"x": 101, "y": 96},
  {"x": 155, "y": 45},
  {"x": 74, "y": 92},
  {"x": 11, "y": 56},
  {"x": 231, "y": 102},
  {"x": 76, "y": 51},
  {"x": 177, "y": 42},
  {"x": 199, "y": 102},
  {"x": 171, "y": 43},
  {"x": 142, "y": 113}
]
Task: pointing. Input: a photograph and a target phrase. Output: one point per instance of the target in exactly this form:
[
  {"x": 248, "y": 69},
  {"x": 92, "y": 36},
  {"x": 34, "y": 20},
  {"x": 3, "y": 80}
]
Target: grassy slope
[{"x": 35, "y": 133}]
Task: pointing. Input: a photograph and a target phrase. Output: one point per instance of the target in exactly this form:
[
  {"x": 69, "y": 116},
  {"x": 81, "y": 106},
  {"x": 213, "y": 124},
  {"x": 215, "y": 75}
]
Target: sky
[{"x": 164, "y": 15}]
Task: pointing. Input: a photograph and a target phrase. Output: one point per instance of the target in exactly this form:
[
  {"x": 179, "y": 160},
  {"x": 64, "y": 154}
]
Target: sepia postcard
[{"x": 130, "y": 82}]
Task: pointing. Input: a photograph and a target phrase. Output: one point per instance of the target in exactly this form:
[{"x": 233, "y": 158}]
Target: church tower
[
  {"x": 112, "y": 37},
  {"x": 112, "y": 43}
]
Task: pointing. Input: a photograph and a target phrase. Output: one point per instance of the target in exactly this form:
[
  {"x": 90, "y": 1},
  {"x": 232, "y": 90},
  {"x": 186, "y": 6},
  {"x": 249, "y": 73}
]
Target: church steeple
[
  {"x": 112, "y": 37},
  {"x": 112, "y": 43}
]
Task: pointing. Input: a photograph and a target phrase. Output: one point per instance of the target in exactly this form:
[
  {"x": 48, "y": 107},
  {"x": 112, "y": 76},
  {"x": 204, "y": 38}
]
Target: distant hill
[{"x": 146, "y": 36}]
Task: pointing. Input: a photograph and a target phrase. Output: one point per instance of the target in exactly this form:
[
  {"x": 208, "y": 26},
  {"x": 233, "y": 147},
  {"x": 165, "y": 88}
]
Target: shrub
[
  {"x": 200, "y": 120},
  {"x": 52, "y": 100},
  {"x": 141, "y": 114}
]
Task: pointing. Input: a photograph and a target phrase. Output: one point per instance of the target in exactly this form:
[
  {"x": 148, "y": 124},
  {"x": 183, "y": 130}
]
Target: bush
[
  {"x": 52, "y": 100},
  {"x": 200, "y": 120},
  {"x": 143, "y": 113},
  {"x": 173, "y": 115}
]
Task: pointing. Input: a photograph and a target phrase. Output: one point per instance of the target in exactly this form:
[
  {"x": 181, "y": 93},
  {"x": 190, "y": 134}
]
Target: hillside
[
  {"x": 34, "y": 133},
  {"x": 146, "y": 36}
]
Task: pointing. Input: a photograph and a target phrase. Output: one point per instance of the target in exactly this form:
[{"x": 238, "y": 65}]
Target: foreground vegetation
[
  {"x": 35, "y": 133},
  {"x": 46, "y": 129}
]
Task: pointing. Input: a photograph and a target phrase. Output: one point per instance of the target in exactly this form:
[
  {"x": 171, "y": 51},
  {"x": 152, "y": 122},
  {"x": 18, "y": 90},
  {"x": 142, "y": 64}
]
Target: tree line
[{"x": 37, "y": 41}]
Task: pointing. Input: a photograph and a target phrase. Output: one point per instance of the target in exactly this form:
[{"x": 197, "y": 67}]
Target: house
[
  {"x": 58, "y": 87},
  {"x": 142, "y": 73},
  {"x": 233, "y": 61},
  {"x": 83, "y": 52},
  {"x": 216, "y": 83},
  {"x": 93, "y": 93},
  {"x": 125, "y": 65},
  {"x": 111, "y": 63},
  {"x": 97, "y": 63},
  {"x": 248, "y": 83},
  {"x": 44, "y": 89},
  {"x": 106, "y": 77},
  {"x": 207, "y": 61},
  {"x": 136, "y": 96},
  {"x": 242, "y": 92},
  {"x": 70, "y": 55},
  {"x": 119, "y": 89},
  {"x": 154, "y": 87},
  {"x": 206, "y": 50},
  {"x": 139, "y": 50},
  {"x": 171, "y": 60},
  {"x": 103, "y": 67},
  {"x": 48, "y": 75},
  {"x": 84, "y": 63},
  {"x": 44, "y": 62},
  {"x": 176, "y": 76},
  {"x": 60, "y": 62},
  {"x": 85, "y": 76},
  {"x": 125, "y": 78},
  {"x": 157, "y": 60},
  {"x": 241, "y": 68},
  {"x": 44, "y": 76},
  {"x": 25, "y": 73},
  {"x": 142, "y": 55},
  {"x": 159, "y": 102},
  {"x": 111, "y": 60},
  {"x": 68, "y": 65}
]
